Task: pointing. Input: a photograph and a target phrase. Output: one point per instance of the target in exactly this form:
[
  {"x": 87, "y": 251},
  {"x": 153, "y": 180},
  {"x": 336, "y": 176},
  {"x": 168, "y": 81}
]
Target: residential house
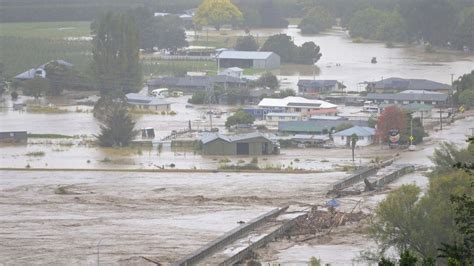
[
  {"x": 365, "y": 136},
  {"x": 293, "y": 104},
  {"x": 312, "y": 127},
  {"x": 409, "y": 97},
  {"x": 250, "y": 144},
  {"x": 40, "y": 71},
  {"x": 313, "y": 88},
  {"x": 248, "y": 59},
  {"x": 394, "y": 85},
  {"x": 259, "y": 113},
  {"x": 275, "y": 118},
  {"x": 243, "y": 96},
  {"x": 191, "y": 84},
  {"x": 146, "y": 102}
]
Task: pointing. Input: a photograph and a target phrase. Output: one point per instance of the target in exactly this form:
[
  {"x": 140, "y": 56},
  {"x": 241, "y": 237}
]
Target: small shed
[
  {"x": 365, "y": 134},
  {"x": 14, "y": 137},
  {"x": 250, "y": 144}
]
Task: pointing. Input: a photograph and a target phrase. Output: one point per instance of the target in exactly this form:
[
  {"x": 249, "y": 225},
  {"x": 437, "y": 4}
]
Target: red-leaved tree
[{"x": 391, "y": 118}]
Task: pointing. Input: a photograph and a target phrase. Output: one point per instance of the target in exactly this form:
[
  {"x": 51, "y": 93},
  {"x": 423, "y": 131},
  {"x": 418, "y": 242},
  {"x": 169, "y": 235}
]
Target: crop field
[{"x": 48, "y": 30}]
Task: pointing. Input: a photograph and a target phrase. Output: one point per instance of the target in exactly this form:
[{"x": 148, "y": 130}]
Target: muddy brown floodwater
[{"x": 58, "y": 218}]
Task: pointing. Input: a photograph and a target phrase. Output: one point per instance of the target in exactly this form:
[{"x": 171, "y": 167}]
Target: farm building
[
  {"x": 364, "y": 134},
  {"x": 394, "y": 85},
  {"x": 146, "y": 102},
  {"x": 252, "y": 144},
  {"x": 14, "y": 137},
  {"x": 245, "y": 59},
  {"x": 306, "y": 107},
  {"x": 311, "y": 88}
]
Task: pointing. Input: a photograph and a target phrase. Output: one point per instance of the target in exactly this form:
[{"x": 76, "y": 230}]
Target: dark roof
[
  {"x": 315, "y": 126},
  {"x": 31, "y": 73},
  {"x": 308, "y": 83},
  {"x": 408, "y": 97},
  {"x": 209, "y": 137},
  {"x": 409, "y": 84},
  {"x": 191, "y": 81}
]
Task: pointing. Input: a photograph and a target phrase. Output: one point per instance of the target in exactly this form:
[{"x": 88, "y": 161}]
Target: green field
[{"x": 49, "y": 30}]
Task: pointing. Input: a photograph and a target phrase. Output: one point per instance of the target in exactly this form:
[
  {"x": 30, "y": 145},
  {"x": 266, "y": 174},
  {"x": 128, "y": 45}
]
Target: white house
[
  {"x": 365, "y": 135},
  {"x": 274, "y": 118},
  {"x": 306, "y": 107},
  {"x": 235, "y": 72}
]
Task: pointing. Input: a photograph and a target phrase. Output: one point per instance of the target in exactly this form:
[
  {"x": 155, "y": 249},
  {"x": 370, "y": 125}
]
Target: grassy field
[{"x": 48, "y": 30}]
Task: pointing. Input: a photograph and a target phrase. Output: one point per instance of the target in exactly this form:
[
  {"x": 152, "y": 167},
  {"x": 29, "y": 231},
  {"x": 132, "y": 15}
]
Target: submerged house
[
  {"x": 146, "y": 102},
  {"x": 41, "y": 70},
  {"x": 251, "y": 144},
  {"x": 365, "y": 136},
  {"x": 308, "y": 88}
]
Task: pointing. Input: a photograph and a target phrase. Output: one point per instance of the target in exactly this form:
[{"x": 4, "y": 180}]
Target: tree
[
  {"x": 60, "y": 77},
  {"x": 284, "y": 93},
  {"x": 239, "y": 117},
  {"x": 246, "y": 43},
  {"x": 36, "y": 87},
  {"x": 308, "y": 54},
  {"x": 118, "y": 127},
  {"x": 115, "y": 53},
  {"x": 198, "y": 97},
  {"x": 14, "y": 95},
  {"x": 271, "y": 15},
  {"x": 462, "y": 84},
  {"x": 316, "y": 20},
  {"x": 448, "y": 155},
  {"x": 464, "y": 29},
  {"x": 407, "y": 221},
  {"x": 365, "y": 23},
  {"x": 354, "y": 139},
  {"x": 170, "y": 33},
  {"x": 145, "y": 20},
  {"x": 391, "y": 118},
  {"x": 269, "y": 80},
  {"x": 282, "y": 45},
  {"x": 217, "y": 13}
]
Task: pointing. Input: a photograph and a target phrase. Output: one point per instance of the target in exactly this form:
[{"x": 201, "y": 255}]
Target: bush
[{"x": 246, "y": 43}]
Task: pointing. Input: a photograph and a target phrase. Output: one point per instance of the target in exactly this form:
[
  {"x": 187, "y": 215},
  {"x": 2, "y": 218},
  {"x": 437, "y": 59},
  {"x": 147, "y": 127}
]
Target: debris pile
[{"x": 318, "y": 220}]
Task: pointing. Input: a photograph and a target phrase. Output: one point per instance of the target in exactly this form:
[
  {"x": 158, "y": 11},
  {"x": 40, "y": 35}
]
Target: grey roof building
[
  {"x": 147, "y": 102},
  {"x": 248, "y": 59},
  {"x": 309, "y": 87},
  {"x": 434, "y": 99},
  {"x": 252, "y": 144},
  {"x": 315, "y": 127},
  {"x": 392, "y": 85},
  {"x": 191, "y": 84}
]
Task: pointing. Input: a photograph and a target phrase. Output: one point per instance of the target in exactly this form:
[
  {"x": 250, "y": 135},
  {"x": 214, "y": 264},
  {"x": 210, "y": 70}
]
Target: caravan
[{"x": 161, "y": 93}]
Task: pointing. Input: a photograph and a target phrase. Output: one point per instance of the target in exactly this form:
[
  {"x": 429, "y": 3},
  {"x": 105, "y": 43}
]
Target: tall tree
[
  {"x": 116, "y": 63},
  {"x": 282, "y": 45},
  {"x": 354, "y": 139},
  {"x": 217, "y": 13},
  {"x": 118, "y": 127},
  {"x": 316, "y": 20}
]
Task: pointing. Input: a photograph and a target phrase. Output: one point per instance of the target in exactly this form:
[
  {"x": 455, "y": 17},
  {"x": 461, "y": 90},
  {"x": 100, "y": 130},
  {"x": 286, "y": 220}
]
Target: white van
[{"x": 162, "y": 92}]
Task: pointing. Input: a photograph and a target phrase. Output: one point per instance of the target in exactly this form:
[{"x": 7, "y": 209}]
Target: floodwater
[
  {"x": 59, "y": 217},
  {"x": 354, "y": 59}
]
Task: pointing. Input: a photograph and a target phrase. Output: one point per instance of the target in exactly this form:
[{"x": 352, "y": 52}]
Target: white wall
[{"x": 363, "y": 141}]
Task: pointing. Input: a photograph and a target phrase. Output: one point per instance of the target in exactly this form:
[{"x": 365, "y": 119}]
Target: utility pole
[
  {"x": 452, "y": 94},
  {"x": 441, "y": 118}
]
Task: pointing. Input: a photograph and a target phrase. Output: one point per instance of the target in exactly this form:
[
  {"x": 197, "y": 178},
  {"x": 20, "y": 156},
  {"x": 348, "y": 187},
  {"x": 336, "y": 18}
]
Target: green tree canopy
[
  {"x": 118, "y": 127},
  {"x": 217, "y": 13},
  {"x": 316, "y": 20},
  {"x": 282, "y": 45},
  {"x": 246, "y": 43},
  {"x": 269, "y": 80},
  {"x": 36, "y": 87},
  {"x": 407, "y": 220},
  {"x": 115, "y": 52},
  {"x": 239, "y": 117}
]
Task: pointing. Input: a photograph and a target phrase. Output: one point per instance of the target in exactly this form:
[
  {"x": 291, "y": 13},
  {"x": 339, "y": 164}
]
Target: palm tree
[{"x": 354, "y": 139}]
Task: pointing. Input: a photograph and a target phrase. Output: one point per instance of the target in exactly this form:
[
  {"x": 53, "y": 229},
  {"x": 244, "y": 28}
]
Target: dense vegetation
[
  {"x": 465, "y": 89},
  {"x": 281, "y": 44}
]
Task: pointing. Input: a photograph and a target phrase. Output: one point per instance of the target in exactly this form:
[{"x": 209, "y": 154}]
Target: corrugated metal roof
[
  {"x": 316, "y": 83},
  {"x": 209, "y": 137},
  {"x": 315, "y": 126},
  {"x": 359, "y": 131},
  {"x": 294, "y": 101},
  {"x": 408, "y": 96},
  {"x": 138, "y": 99},
  {"x": 410, "y": 84},
  {"x": 244, "y": 55}
]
